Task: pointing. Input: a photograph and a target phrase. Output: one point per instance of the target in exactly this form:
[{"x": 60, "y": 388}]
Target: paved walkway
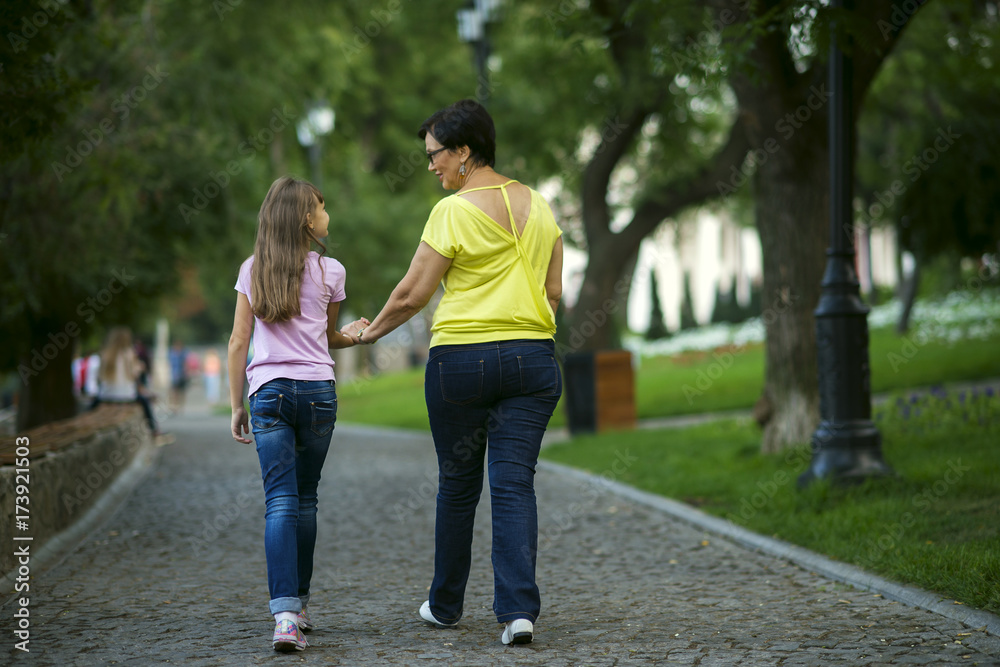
[{"x": 178, "y": 576}]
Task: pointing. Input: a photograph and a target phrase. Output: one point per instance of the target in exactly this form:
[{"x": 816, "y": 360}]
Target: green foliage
[
  {"x": 572, "y": 76},
  {"x": 929, "y": 137},
  {"x": 35, "y": 86},
  {"x": 91, "y": 231},
  {"x": 181, "y": 117}
]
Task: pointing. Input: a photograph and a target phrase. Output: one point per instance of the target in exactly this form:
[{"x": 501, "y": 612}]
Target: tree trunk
[
  {"x": 910, "y": 286},
  {"x": 47, "y": 376},
  {"x": 603, "y": 298},
  {"x": 792, "y": 217}
]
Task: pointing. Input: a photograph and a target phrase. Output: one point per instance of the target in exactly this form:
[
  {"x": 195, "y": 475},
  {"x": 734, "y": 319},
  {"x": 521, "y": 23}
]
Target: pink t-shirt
[{"x": 296, "y": 349}]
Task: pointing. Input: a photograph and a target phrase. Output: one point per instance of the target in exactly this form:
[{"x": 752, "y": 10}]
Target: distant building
[{"x": 716, "y": 254}]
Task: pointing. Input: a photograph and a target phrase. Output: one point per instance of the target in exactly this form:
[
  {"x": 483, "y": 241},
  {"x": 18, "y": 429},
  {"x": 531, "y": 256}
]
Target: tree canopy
[{"x": 139, "y": 138}]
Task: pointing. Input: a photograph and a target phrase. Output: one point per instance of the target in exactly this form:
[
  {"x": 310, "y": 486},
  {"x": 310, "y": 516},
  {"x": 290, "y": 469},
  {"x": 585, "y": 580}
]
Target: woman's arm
[
  {"x": 553, "y": 278},
  {"x": 427, "y": 268},
  {"x": 239, "y": 346}
]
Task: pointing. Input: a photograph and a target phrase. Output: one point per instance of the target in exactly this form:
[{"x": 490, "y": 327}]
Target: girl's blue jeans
[
  {"x": 492, "y": 402},
  {"x": 292, "y": 423}
]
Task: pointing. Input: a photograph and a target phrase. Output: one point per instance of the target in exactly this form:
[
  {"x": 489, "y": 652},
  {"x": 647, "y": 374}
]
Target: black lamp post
[
  {"x": 473, "y": 29},
  {"x": 846, "y": 446}
]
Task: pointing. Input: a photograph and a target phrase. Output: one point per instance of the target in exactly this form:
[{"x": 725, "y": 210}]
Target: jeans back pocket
[
  {"x": 461, "y": 381},
  {"x": 265, "y": 410},
  {"x": 539, "y": 375},
  {"x": 324, "y": 416}
]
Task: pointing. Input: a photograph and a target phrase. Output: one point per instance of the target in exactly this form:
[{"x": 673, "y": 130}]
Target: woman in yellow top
[{"x": 492, "y": 381}]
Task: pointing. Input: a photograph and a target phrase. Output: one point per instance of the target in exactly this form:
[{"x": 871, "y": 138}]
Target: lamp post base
[{"x": 846, "y": 452}]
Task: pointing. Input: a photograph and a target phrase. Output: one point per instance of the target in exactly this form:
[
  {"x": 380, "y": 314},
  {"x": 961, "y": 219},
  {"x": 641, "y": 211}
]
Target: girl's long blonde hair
[
  {"x": 117, "y": 345},
  {"x": 283, "y": 242}
]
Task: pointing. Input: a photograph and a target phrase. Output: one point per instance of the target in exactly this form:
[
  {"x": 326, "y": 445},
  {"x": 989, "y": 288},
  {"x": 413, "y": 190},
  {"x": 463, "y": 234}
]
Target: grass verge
[
  {"x": 731, "y": 378},
  {"x": 935, "y": 525},
  {"x": 695, "y": 382}
]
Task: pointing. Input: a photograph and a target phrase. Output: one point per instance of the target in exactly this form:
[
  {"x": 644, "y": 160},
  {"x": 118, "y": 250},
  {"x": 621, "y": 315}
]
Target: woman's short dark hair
[{"x": 464, "y": 123}]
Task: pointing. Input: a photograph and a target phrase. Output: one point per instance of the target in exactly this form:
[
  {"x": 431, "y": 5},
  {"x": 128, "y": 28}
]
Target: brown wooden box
[{"x": 600, "y": 391}]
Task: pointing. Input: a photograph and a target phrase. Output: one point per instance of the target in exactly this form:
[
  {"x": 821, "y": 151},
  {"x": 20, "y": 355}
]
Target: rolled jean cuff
[
  {"x": 514, "y": 615},
  {"x": 278, "y": 605}
]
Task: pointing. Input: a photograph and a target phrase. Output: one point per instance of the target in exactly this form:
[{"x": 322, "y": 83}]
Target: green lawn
[
  {"x": 395, "y": 400},
  {"x": 696, "y": 382},
  {"x": 730, "y": 379},
  {"x": 936, "y": 524}
]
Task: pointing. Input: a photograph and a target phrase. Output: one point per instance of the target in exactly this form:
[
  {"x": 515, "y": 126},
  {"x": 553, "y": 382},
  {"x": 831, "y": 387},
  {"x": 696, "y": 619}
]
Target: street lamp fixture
[
  {"x": 317, "y": 123},
  {"x": 474, "y": 20},
  {"x": 846, "y": 446}
]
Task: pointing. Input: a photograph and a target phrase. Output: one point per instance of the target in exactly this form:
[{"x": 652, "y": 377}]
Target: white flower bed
[{"x": 963, "y": 315}]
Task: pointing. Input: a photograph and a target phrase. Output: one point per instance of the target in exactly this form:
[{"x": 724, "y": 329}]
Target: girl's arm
[
  {"x": 336, "y": 340},
  {"x": 239, "y": 346},
  {"x": 553, "y": 278},
  {"x": 411, "y": 294}
]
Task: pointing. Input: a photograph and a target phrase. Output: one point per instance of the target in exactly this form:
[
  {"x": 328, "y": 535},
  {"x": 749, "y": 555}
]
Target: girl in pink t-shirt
[{"x": 288, "y": 298}]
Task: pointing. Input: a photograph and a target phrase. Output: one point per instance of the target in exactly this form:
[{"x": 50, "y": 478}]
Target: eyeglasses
[{"x": 430, "y": 156}]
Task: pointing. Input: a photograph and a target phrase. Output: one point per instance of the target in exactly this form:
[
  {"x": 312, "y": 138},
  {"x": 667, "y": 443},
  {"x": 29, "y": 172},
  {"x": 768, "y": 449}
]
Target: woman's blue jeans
[
  {"x": 492, "y": 402},
  {"x": 292, "y": 423}
]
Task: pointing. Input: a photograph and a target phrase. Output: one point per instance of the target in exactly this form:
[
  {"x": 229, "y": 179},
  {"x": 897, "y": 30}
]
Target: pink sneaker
[
  {"x": 288, "y": 637},
  {"x": 305, "y": 625}
]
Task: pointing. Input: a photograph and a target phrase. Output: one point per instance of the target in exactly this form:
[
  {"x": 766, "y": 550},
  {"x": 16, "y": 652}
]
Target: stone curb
[
  {"x": 809, "y": 560},
  {"x": 60, "y": 546}
]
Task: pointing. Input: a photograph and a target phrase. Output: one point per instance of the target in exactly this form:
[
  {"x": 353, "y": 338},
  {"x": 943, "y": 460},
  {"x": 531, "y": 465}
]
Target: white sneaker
[
  {"x": 425, "y": 613},
  {"x": 518, "y": 631}
]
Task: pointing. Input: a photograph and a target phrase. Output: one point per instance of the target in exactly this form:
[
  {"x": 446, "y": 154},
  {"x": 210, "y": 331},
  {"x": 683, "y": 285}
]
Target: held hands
[{"x": 351, "y": 330}]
